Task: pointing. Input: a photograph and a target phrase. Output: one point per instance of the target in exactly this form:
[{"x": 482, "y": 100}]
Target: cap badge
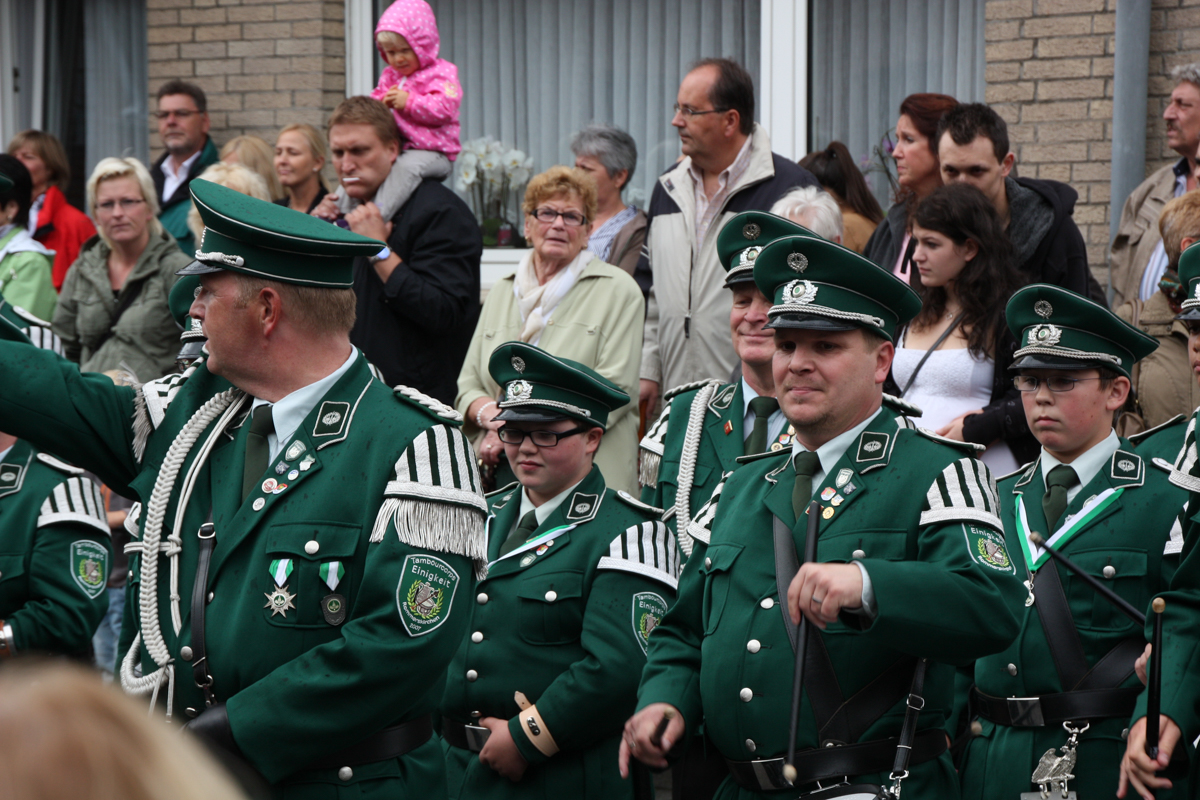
[
  {"x": 748, "y": 256},
  {"x": 196, "y": 293},
  {"x": 518, "y": 390},
  {"x": 799, "y": 292},
  {"x": 518, "y": 364},
  {"x": 1045, "y": 334},
  {"x": 1043, "y": 309},
  {"x": 751, "y": 230},
  {"x": 798, "y": 262}
]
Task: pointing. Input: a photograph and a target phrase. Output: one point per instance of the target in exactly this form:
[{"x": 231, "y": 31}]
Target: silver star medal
[{"x": 279, "y": 601}]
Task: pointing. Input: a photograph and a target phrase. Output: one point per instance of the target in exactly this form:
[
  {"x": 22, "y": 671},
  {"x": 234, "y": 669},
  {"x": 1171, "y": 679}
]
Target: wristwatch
[
  {"x": 382, "y": 255},
  {"x": 7, "y": 647}
]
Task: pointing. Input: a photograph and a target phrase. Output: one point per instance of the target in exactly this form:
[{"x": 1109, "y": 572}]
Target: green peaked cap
[
  {"x": 1058, "y": 329},
  {"x": 1189, "y": 275},
  {"x": 817, "y": 284},
  {"x": 254, "y": 237},
  {"x": 745, "y": 235},
  {"x": 539, "y": 387}
]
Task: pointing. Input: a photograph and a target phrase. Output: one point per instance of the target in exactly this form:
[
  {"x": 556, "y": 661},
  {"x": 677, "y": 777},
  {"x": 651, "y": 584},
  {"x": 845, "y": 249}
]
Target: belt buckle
[
  {"x": 477, "y": 737},
  {"x": 1025, "y": 712}
]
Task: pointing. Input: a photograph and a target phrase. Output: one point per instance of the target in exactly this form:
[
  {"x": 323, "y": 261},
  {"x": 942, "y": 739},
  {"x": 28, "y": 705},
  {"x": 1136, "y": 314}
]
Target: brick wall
[
  {"x": 1174, "y": 40},
  {"x": 263, "y": 64}
]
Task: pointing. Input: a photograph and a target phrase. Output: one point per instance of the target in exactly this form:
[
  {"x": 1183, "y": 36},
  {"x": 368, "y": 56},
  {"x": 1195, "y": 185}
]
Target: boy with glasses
[
  {"x": 1108, "y": 509},
  {"x": 578, "y": 577}
]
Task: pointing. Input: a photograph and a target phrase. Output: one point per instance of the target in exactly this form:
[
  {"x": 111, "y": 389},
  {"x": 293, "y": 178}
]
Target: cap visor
[
  {"x": 198, "y": 268},
  {"x": 530, "y": 414},
  {"x": 812, "y": 322},
  {"x": 1188, "y": 314},
  {"x": 1050, "y": 362}
]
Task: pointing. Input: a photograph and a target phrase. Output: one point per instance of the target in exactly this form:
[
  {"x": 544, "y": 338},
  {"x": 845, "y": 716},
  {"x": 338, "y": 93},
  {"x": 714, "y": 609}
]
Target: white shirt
[
  {"x": 290, "y": 411},
  {"x": 707, "y": 207},
  {"x": 828, "y": 454},
  {"x": 1157, "y": 265},
  {"x": 543, "y": 511},
  {"x": 4, "y": 453},
  {"x": 1086, "y": 466},
  {"x": 774, "y": 422},
  {"x": 173, "y": 179}
]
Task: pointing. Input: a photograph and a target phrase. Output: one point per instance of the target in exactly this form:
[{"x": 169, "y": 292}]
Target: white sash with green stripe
[{"x": 1036, "y": 556}]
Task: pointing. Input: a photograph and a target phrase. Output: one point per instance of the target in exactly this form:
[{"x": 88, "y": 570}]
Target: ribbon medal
[
  {"x": 280, "y": 600},
  {"x": 331, "y": 573}
]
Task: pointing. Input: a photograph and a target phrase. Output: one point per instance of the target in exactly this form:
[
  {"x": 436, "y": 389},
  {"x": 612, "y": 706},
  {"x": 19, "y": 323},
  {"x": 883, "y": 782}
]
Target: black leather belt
[
  {"x": 848, "y": 760},
  {"x": 1052, "y": 709},
  {"x": 389, "y": 743},
  {"x": 461, "y": 734}
]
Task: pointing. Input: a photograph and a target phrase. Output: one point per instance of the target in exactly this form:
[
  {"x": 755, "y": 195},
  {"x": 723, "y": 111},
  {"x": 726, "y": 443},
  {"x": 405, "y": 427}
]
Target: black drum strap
[
  {"x": 1066, "y": 649},
  {"x": 207, "y": 537}
]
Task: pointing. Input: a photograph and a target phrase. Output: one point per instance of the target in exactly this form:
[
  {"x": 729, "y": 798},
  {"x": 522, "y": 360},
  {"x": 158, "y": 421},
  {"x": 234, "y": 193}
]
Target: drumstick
[
  {"x": 1154, "y": 680},
  {"x": 810, "y": 554}
]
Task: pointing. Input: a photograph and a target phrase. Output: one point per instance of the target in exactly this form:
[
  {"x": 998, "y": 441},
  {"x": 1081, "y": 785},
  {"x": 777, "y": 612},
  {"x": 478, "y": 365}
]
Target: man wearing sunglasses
[
  {"x": 579, "y": 577},
  {"x": 1098, "y": 502}
]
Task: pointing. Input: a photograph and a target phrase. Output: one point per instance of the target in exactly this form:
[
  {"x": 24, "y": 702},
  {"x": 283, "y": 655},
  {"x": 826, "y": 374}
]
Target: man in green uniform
[
  {"x": 579, "y": 577},
  {"x": 289, "y": 630},
  {"x": 706, "y": 426},
  {"x": 1179, "y": 721},
  {"x": 54, "y": 544},
  {"x": 911, "y": 560},
  {"x": 1103, "y": 505}
]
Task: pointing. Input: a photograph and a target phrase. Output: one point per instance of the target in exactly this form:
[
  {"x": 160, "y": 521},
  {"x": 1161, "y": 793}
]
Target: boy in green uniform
[
  {"x": 1101, "y": 504},
  {"x": 1179, "y": 721},
  {"x": 579, "y": 577},
  {"x": 705, "y": 427},
  {"x": 54, "y": 544},
  {"x": 911, "y": 560},
  {"x": 307, "y": 630}
]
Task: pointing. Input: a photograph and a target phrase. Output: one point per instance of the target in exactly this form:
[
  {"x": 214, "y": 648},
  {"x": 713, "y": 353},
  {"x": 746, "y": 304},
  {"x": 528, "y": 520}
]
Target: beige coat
[
  {"x": 599, "y": 324},
  {"x": 1165, "y": 384},
  {"x": 1138, "y": 235}
]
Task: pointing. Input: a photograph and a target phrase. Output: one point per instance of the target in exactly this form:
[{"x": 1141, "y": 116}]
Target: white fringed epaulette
[
  {"x": 650, "y": 450},
  {"x": 430, "y": 405},
  {"x": 151, "y": 401},
  {"x": 61, "y": 466},
  {"x": 76, "y": 501},
  {"x": 647, "y": 548},
  {"x": 435, "y": 501},
  {"x": 700, "y": 527},
  {"x": 965, "y": 491}
]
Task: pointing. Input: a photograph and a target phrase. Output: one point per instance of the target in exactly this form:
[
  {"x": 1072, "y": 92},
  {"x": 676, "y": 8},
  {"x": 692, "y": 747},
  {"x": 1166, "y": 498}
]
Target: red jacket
[{"x": 63, "y": 229}]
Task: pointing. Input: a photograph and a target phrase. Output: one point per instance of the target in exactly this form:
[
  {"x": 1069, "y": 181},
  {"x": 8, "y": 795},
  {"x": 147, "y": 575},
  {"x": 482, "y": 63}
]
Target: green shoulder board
[
  {"x": 631, "y": 501},
  {"x": 970, "y": 447},
  {"x": 671, "y": 394},
  {"x": 902, "y": 406},
  {"x": 1138, "y": 438},
  {"x": 61, "y": 466},
  {"x": 783, "y": 451}
]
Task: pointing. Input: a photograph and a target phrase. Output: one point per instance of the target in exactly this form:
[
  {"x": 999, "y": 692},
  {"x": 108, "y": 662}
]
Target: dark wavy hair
[
  {"x": 961, "y": 212},
  {"x": 925, "y": 110},
  {"x": 834, "y": 168}
]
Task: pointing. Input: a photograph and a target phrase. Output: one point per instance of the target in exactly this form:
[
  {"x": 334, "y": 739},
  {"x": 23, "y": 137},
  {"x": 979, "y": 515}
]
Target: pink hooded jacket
[{"x": 429, "y": 121}]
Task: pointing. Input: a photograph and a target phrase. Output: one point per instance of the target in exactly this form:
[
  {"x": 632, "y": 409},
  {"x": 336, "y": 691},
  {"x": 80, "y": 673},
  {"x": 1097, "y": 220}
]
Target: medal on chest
[
  {"x": 333, "y": 605},
  {"x": 280, "y": 600}
]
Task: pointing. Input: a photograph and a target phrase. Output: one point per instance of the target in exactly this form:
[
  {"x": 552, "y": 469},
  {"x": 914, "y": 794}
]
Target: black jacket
[
  {"x": 1061, "y": 257},
  {"x": 417, "y": 326},
  {"x": 883, "y": 247}
]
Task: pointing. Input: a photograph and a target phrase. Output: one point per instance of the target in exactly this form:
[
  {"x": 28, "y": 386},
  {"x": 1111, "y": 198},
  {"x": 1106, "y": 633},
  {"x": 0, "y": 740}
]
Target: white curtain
[
  {"x": 868, "y": 55},
  {"x": 115, "y": 80},
  {"x": 535, "y": 71}
]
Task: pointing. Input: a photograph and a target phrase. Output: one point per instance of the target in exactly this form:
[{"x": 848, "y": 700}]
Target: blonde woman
[
  {"x": 299, "y": 158},
  {"x": 255, "y": 153},
  {"x": 65, "y": 734},
  {"x": 234, "y": 176},
  {"x": 569, "y": 303},
  {"x": 112, "y": 312}
]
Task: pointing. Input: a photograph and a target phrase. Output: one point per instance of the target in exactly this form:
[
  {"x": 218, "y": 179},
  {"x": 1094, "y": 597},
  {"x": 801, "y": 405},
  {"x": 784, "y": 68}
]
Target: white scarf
[{"x": 537, "y": 302}]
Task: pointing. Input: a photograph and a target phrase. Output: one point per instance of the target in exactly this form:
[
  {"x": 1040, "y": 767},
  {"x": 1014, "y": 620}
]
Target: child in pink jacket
[{"x": 424, "y": 94}]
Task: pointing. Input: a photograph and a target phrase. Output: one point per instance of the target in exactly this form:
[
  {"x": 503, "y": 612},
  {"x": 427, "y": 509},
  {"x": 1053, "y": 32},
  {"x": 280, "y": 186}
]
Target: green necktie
[
  {"x": 807, "y": 465},
  {"x": 1054, "y": 502},
  {"x": 520, "y": 534},
  {"x": 258, "y": 450},
  {"x": 763, "y": 408}
]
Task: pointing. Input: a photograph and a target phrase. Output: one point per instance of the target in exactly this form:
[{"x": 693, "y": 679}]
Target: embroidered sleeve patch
[
  {"x": 425, "y": 593},
  {"x": 986, "y": 547},
  {"x": 89, "y": 566},
  {"x": 648, "y": 611},
  {"x": 964, "y": 492}
]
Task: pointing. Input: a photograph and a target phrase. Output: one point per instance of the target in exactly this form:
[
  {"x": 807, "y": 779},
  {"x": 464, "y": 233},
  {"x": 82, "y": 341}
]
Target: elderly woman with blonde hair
[
  {"x": 233, "y": 176},
  {"x": 568, "y": 302},
  {"x": 112, "y": 313},
  {"x": 257, "y": 155}
]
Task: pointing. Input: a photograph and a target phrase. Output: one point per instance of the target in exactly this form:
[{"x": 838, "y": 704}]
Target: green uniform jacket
[
  {"x": 1163, "y": 441},
  {"x": 54, "y": 553},
  {"x": 920, "y": 512},
  {"x": 721, "y": 442},
  {"x": 564, "y": 620},
  {"x": 1129, "y": 535},
  {"x": 382, "y": 486}
]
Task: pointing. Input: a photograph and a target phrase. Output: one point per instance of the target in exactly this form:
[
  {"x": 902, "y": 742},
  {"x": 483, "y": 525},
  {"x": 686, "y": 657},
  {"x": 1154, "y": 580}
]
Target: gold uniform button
[
  {"x": 477, "y": 637},
  {"x": 472, "y": 676},
  {"x": 746, "y": 695},
  {"x": 768, "y": 602},
  {"x": 754, "y": 645}
]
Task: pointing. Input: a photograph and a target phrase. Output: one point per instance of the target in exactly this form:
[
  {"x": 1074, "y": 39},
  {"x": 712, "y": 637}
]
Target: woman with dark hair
[
  {"x": 918, "y": 172},
  {"x": 835, "y": 169},
  {"x": 952, "y": 360},
  {"x": 25, "y": 265}
]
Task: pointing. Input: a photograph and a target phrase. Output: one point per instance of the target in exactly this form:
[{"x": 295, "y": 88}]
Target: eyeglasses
[
  {"x": 182, "y": 115},
  {"x": 690, "y": 112},
  {"x": 127, "y": 204},
  {"x": 510, "y": 435},
  {"x": 571, "y": 219},
  {"x": 1057, "y": 383}
]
